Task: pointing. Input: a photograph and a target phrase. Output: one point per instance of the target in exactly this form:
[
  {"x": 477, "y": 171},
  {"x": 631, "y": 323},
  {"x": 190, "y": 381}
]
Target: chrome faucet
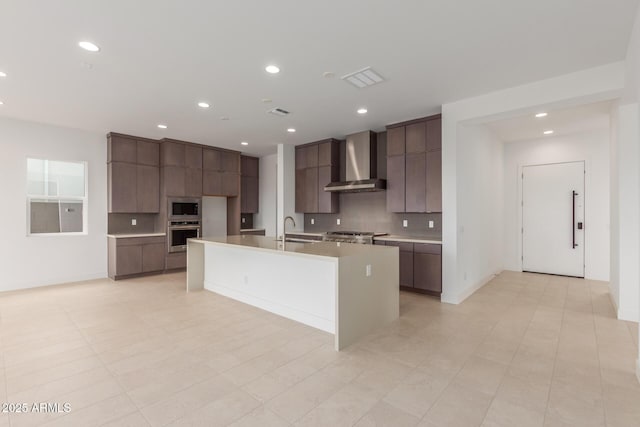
[{"x": 284, "y": 230}]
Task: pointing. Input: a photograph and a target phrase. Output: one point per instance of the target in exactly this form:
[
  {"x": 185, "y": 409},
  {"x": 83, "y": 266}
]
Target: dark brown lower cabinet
[
  {"x": 420, "y": 266},
  {"x": 427, "y": 267},
  {"x": 136, "y": 255}
]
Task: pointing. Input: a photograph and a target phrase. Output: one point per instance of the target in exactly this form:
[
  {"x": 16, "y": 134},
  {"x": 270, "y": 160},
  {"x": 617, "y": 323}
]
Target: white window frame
[{"x": 61, "y": 199}]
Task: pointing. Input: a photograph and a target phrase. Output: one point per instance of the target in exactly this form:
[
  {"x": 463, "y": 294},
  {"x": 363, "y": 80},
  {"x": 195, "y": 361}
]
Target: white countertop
[
  {"x": 408, "y": 239},
  {"x": 251, "y": 229},
  {"x": 128, "y": 236},
  {"x": 319, "y": 249},
  {"x": 301, "y": 233}
]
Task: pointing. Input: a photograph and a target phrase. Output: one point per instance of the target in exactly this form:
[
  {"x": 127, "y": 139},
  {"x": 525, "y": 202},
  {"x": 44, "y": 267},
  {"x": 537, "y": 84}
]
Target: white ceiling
[
  {"x": 564, "y": 121},
  {"x": 159, "y": 57}
]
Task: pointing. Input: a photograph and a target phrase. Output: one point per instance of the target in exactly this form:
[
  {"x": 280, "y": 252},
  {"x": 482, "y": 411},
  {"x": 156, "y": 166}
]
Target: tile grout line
[{"x": 111, "y": 374}]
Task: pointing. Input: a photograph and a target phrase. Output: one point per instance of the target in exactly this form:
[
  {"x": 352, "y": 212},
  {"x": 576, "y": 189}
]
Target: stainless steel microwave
[{"x": 184, "y": 208}]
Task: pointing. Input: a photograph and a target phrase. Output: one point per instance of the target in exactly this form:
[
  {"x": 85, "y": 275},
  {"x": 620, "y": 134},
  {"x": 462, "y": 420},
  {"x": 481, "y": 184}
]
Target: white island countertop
[
  {"x": 269, "y": 243},
  {"x": 344, "y": 289},
  {"x": 409, "y": 239}
]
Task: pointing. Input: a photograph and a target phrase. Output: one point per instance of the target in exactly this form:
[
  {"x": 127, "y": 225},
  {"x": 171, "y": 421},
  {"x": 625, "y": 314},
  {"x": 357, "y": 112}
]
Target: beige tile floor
[{"x": 525, "y": 350}]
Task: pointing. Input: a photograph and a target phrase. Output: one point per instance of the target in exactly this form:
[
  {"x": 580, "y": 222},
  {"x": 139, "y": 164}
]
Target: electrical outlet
[
  {"x": 338, "y": 221},
  {"x": 313, "y": 221},
  {"x": 405, "y": 223},
  {"x": 430, "y": 224},
  {"x": 134, "y": 221},
  {"x": 367, "y": 270}
]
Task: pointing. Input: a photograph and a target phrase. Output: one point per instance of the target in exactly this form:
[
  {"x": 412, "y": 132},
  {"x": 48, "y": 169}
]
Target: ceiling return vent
[
  {"x": 363, "y": 78},
  {"x": 279, "y": 112}
]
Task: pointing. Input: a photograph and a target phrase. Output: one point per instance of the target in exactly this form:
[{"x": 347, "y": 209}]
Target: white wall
[
  {"x": 480, "y": 210},
  {"x": 266, "y": 217},
  {"x": 605, "y": 82},
  {"x": 43, "y": 260},
  {"x": 625, "y": 210},
  {"x": 593, "y": 148}
]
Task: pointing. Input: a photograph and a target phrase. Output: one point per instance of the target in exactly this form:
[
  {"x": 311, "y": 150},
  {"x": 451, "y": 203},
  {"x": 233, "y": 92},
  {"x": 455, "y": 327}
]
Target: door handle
[{"x": 573, "y": 219}]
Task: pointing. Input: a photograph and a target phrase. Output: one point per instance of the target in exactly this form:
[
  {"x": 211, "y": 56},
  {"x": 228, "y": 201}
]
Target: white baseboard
[
  {"x": 53, "y": 282},
  {"x": 628, "y": 314},
  {"x": 459, "y": 298}
]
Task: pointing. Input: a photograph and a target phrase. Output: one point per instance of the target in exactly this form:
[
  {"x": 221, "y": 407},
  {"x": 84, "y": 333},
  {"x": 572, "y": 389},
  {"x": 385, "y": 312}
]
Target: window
[{"x": 56, "y": 197}]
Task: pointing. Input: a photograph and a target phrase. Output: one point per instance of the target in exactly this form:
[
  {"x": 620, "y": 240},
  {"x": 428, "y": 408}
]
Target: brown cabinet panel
[
  {"x": 434, "y": 134},
  {"x": 121, "y": 149},
  {"x": 328, "y": 153},
  {"x": 193, "y": 182},
  {"x": 148, "y": 153},
  {"x": 250, "y": 198},
  {"x": 300, "y": 190},
  {"x": 128, "y": 260},
  {"x": 211, "y": 159},
  {"x": 416, "y": 183},
  {"x": 122, "y": 188},
  {"x": 230, "y": 184},
  {"x": 379, "y": 242},
  {"x": 428, "y": 248},
  {"x": 311, "y": 190},
  {"x": 416, "y": 138},
  {"x": 327, "y": 202},
  {"x": 230, "y": 162},
  {"x": 153, "y": 257},
  {"x": 249, "y": 166},
  {"x": 176, "y": 260},
  {"x": 395, "y": 183},
  {"x": 301, "y": 160},
  {"x": 148, "y": 188},
  {"x": 406, "y": 269},
  {"x": 193, "y": 156},
  {"x": 434, "y": 181},
  {"x": 174, "y": 181},
  {"x": 396, "y": 141},
  {"x": 173, "y": 154},
  {"x": 428, "y": 272},
  {"x": 211, "y": 183},
  {"x": 311, "y": 156}
]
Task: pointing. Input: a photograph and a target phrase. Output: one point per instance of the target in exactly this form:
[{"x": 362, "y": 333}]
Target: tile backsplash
[
  {"x": 368, "y": 212},
  {"x": 121, "y": 223}
]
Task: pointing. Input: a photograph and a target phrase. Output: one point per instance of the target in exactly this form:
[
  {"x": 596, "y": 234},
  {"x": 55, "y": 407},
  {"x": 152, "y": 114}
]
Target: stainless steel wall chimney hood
[{"x": 361, "y": 165}]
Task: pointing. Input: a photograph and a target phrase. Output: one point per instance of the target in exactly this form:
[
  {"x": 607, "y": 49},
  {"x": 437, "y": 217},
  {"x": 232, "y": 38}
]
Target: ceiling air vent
[
  {"x": 363, "y": 78},
  {"x": 279, "y": 112}
]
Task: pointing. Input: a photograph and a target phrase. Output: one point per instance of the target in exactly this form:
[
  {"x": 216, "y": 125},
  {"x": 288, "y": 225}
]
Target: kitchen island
[{"x": 345, "y": 289}]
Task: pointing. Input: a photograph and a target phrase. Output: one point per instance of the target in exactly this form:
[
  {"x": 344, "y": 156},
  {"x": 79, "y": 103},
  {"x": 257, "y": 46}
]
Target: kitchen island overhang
[{"x": 345, "y": 289}]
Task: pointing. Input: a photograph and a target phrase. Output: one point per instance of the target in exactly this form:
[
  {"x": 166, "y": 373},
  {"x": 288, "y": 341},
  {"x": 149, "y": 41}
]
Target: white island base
[{"x": 345, "y": 289}]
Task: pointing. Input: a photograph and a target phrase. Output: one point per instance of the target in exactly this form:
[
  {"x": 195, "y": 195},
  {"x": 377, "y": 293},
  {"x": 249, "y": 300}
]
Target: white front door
[{"x": 553, "y": 219}]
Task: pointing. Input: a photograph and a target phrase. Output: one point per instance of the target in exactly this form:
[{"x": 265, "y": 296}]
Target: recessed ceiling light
[
  {"x": 1, "y": 103},
  {"x": 244, "y": 143},
  {"x": 362, "y": 111},
  {"x": 203, "y": 104},
  {"x": 548, "y": 132},
  {"x": 3, "y": 74},
  {"x": 162, "y": 126},
  {"x": 272, "y": 69},
  {"x": 540, "y": 115},
  {"x": 291, "y": 130},
  {"x": 91, "y": 47}
]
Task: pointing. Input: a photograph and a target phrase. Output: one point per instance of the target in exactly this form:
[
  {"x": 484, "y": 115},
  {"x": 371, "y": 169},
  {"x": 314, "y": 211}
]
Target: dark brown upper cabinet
[
  {"x": 220, "y": 172},
  {"x": 414, "y": 166},
  {"x": 249, "y": 199},
  {"x": 133, "y": 175},
  {"x": 317, "y": 165},
  {"x": 173, "y": 154}
]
